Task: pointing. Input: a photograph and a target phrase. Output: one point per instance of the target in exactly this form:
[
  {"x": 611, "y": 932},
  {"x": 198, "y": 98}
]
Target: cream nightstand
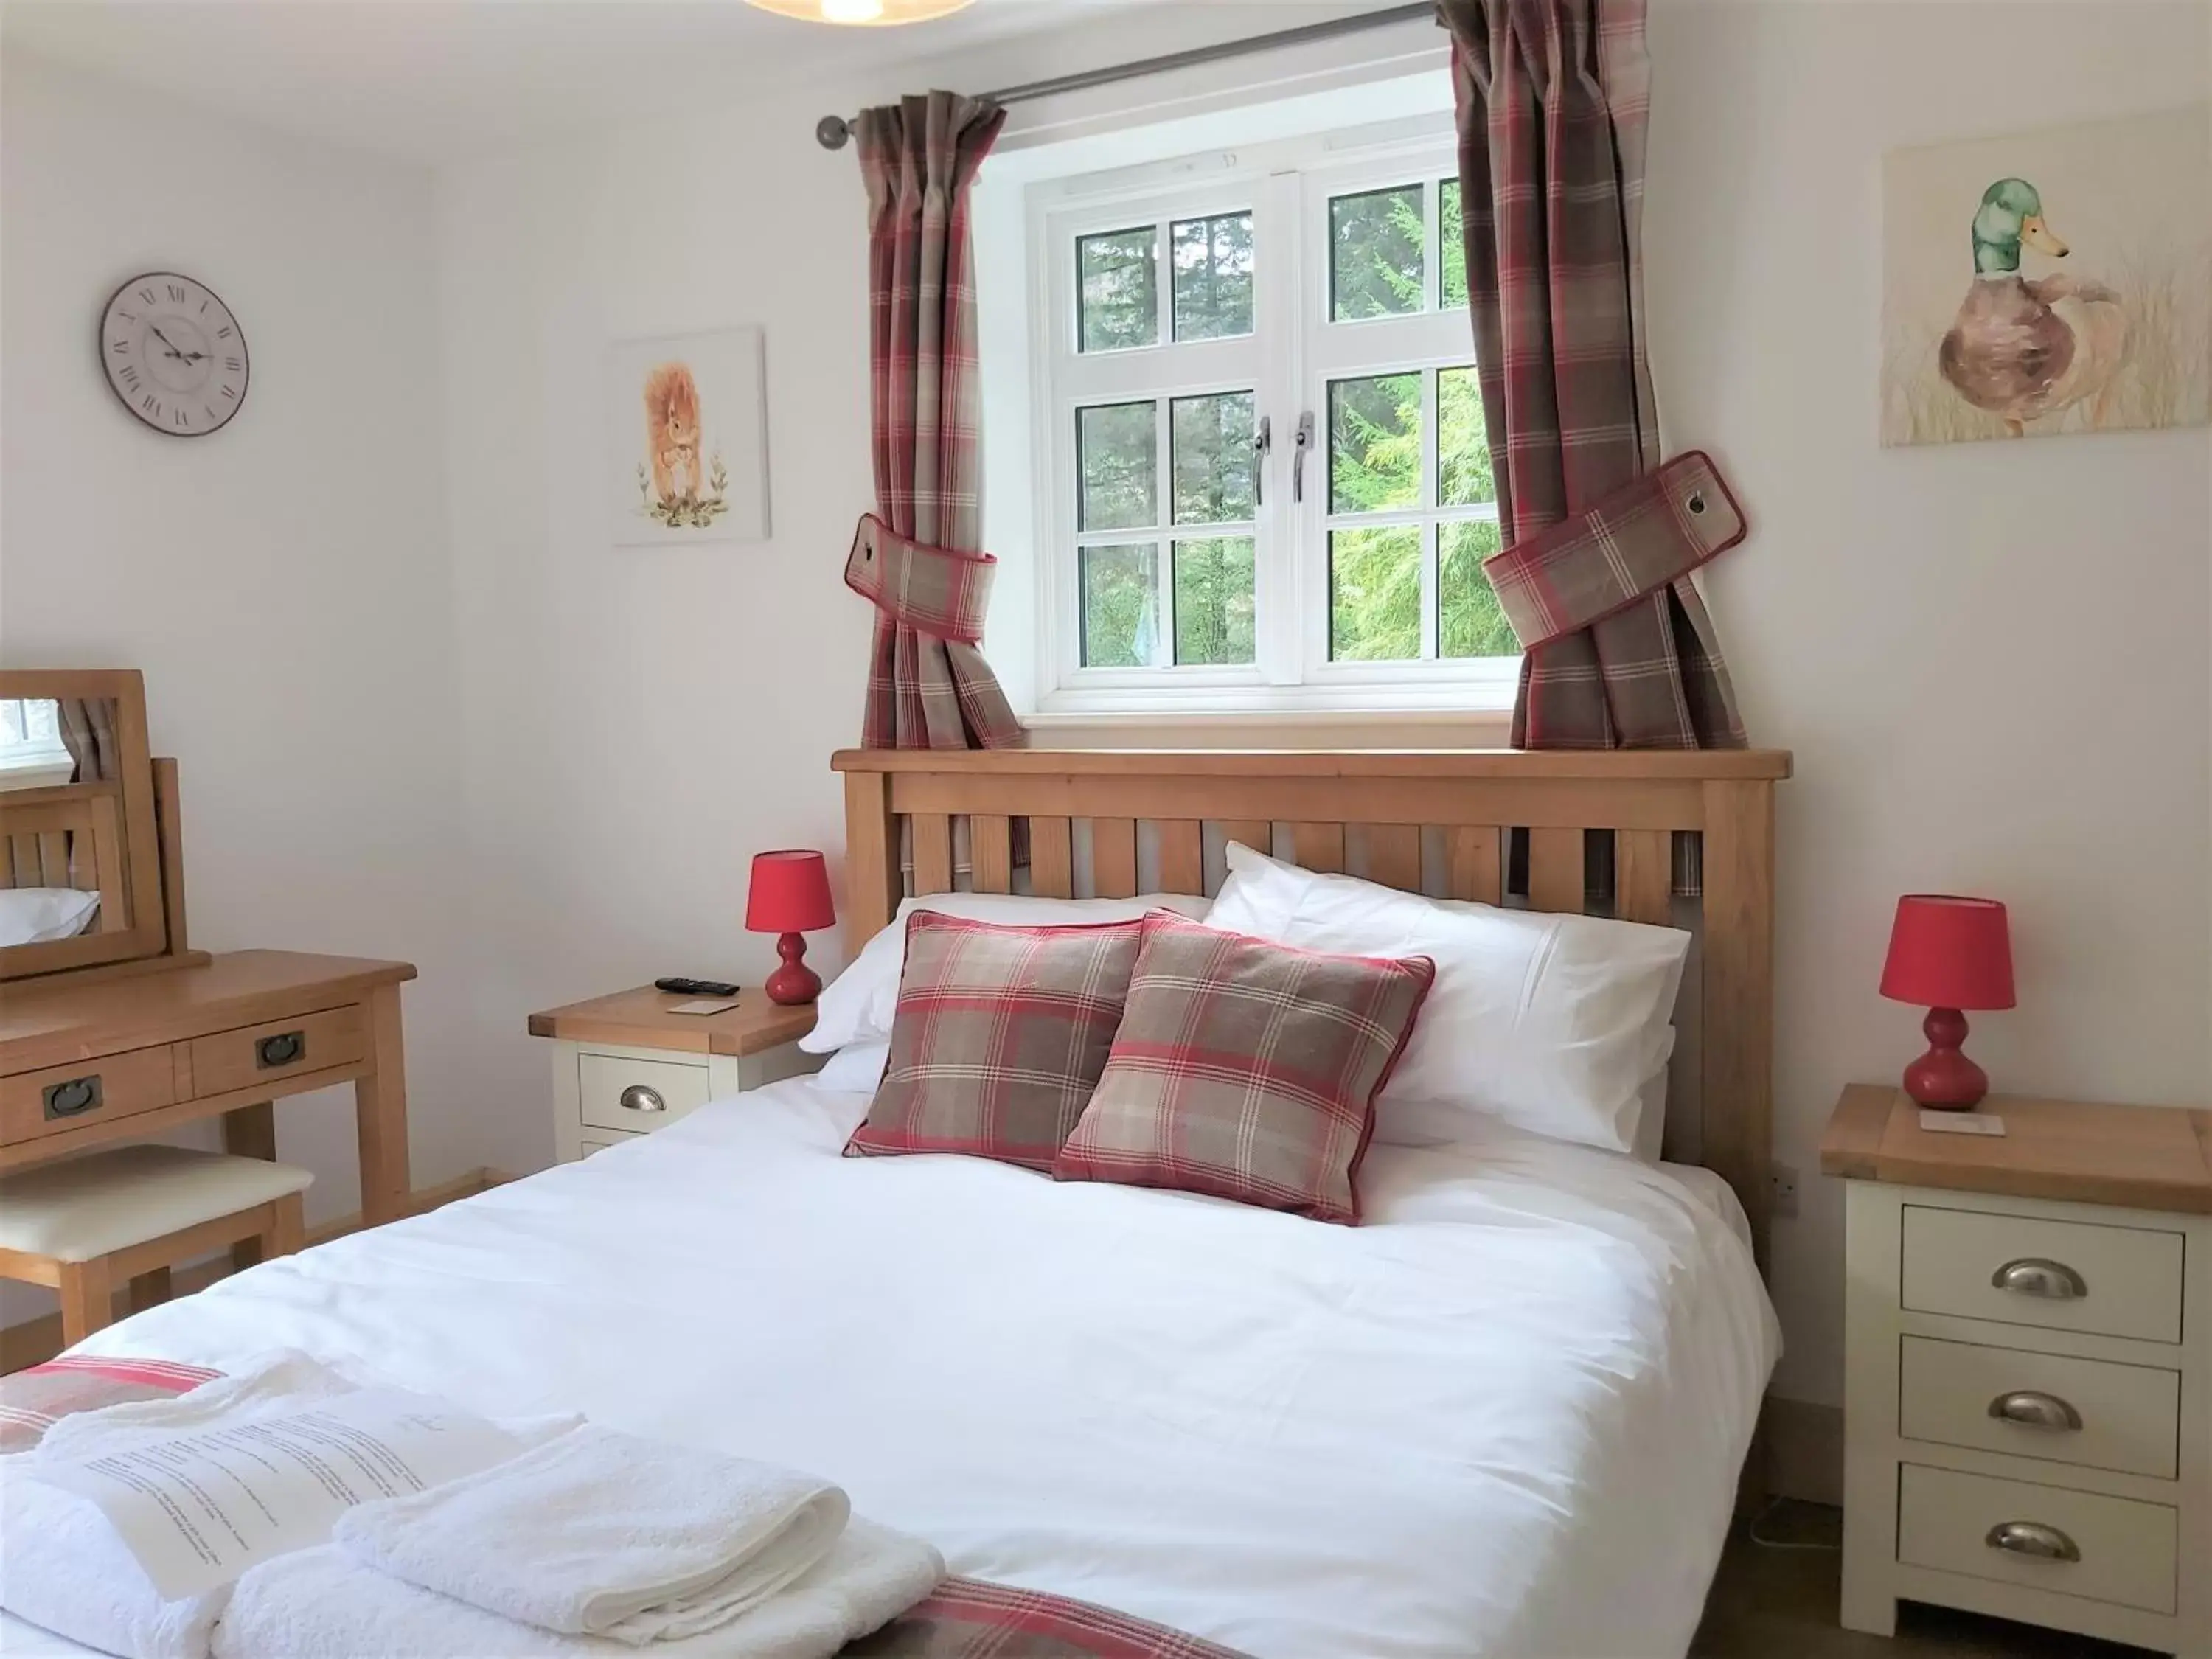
[
  {"x": 2028, "y": 1393},
  {"x": 624, "y": 1065}
]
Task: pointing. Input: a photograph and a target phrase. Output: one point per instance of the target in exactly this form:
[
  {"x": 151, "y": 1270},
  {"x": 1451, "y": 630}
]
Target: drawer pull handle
[
  {"x": 642, "y": 1098},
  {"x": 2033, "y": 1276},
  {"x": 71, "y": 1099},
  {"x": 2033, "y": 1538},
  {"x": 2034, "y": 1409},
  {"x": 280, "y": 1050}
]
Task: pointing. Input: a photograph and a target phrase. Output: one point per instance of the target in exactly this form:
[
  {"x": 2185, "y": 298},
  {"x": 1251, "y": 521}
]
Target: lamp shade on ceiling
[
  {"x": 1949, "y": 952},
  {"x": 790, "y": 894},
  {"x": 866, "y": 14}
]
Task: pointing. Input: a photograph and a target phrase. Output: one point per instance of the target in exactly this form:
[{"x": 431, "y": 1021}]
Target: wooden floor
[{"x": 1780, "y": 1603}]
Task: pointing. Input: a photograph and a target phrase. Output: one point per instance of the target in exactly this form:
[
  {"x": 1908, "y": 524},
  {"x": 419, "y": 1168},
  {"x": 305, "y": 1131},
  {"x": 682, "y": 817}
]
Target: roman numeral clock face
[{"x": 174, "y": 354}]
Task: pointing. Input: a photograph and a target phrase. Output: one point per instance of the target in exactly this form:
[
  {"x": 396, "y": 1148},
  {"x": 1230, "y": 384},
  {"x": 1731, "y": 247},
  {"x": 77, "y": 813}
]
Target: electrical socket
[{"x": 1785, "y": 1190}]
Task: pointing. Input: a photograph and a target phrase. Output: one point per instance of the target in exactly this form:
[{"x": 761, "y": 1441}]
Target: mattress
[{"x": 1502, "y": 1417}]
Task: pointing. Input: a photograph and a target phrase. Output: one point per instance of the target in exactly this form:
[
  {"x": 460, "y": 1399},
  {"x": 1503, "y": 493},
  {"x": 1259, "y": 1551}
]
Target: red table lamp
[
  {"x": 790, "y": 896},
  {"x": 1947, "y": 954}
]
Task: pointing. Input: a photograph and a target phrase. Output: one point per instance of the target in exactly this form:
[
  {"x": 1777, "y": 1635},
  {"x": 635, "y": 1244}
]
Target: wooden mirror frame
[{"x": 39, "y": 828}]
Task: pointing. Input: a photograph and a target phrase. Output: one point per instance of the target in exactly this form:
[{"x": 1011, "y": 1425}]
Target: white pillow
[
  {"x": 1651, "y": 1113},
  {"x": 1550, "y": 1021},
  {"x": 32, "y": 916},
  {"x": 857, "y": 1006},
  {"x": 856, "y": 1069}
]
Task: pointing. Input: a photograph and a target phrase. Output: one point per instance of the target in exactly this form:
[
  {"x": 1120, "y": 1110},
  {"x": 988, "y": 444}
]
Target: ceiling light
[{"x": 863, "y": 12}]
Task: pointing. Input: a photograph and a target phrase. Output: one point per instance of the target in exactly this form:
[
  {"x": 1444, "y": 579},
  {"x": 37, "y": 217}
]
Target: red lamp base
[
  {"x": 795, "y": 982},
  {"x": 1944, "y": 1079}
]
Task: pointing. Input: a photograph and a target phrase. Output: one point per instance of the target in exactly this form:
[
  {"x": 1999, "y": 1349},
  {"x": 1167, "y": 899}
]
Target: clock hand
[{"x": 164, "y": 340}]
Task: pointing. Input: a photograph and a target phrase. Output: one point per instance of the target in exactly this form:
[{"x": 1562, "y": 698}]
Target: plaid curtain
[
  {"x": 926, "y": 691},
  {"x": 1552, "y": 98}
]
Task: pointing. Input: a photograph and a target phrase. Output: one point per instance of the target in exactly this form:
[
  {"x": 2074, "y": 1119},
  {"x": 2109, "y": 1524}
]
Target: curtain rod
[{"x": 832, "y": 131}]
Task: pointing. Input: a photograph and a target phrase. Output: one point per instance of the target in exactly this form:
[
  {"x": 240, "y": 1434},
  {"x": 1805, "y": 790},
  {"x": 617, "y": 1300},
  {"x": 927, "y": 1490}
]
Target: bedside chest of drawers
[
  {"x": 624, "y": 1066},
  {"x": 2029, "y": 1372}
]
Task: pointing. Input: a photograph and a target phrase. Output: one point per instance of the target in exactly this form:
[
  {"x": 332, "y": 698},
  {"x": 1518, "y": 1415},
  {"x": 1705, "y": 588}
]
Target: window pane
[
  {"x": 1212, "y": 438},
  {"x": 1375, "y": 253},
  {"x": 1213, "y": 600},
  {"x": 1117, "y": 457},
  {"x": 1468, "y": 621},
  {"x": 1374, "y": 443},
  {"x": 1119, "y": 306},
  {"x": 1374, "y": 594},
  {"x": 1463, "y": 475},
  {"x": 1451, "y": 251},
  {"x": 1120, "y": 605},
  {"x": 1212, "y": 276}
]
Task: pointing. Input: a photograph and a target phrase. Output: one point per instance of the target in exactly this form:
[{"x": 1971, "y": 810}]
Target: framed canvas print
[
  {"x": 2049, "y": 283},
  {"x": 688, "y": 438}
]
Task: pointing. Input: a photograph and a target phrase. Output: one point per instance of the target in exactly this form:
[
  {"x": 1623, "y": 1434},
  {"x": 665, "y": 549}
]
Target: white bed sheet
[{"x": 1502, "y": 1417}]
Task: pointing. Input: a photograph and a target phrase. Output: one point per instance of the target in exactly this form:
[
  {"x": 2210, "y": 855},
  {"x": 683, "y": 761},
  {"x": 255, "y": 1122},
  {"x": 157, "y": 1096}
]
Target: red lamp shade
[
  {"x": 790, "y": 894},
  {"x": 1947, "y": 952}
]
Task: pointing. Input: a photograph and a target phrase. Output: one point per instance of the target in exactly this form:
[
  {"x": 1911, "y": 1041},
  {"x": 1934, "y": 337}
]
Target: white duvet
[{"x": 1502, "y": 1417}]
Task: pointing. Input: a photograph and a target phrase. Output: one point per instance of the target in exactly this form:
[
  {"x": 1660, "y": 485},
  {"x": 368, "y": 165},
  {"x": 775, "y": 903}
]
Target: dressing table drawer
[
  {"x": 259, "y": 1054},
  {"x": 64, "y": 1098}
]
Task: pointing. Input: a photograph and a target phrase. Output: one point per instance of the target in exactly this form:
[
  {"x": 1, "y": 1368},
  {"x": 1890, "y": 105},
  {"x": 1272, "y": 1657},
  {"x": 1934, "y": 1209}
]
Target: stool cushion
[{"x": 107, "y": 1201}]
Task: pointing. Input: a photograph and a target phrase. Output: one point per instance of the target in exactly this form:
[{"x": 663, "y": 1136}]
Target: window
[
  {"x": 1266, "y": 479},
  {"x": 32, "y": 753}
]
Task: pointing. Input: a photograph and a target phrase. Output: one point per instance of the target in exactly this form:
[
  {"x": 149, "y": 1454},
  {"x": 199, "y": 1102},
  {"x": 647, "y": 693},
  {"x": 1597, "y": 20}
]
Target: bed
[{"x": 1504, "y": 1416}]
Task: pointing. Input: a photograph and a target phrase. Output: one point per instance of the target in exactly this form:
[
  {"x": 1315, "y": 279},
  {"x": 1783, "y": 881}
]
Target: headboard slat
[
  {"x": 1555, "y": 869},
  {"x": 1474, "y": 873},
  {"x": 1642, "y": 875},
  {"x": 1052, "y": 859},
  {"x": 1258, "y": 834},
  {"x": 1182, "y": 856},
  {"x": 991, "y": 837},
  {"x": 1394, "y": 855},
  {"x": 1114, "y": 857},
  {"x": 933, "y": 852},
  {"x": 1318, "y": 847}
]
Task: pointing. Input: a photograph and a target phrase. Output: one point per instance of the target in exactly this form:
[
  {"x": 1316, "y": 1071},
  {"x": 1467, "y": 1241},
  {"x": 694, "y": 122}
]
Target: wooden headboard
[{"x": 1437, "y": 822}]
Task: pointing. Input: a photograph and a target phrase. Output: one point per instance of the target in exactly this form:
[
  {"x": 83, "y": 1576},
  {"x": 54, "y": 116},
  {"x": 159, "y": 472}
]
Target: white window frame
[
  {"x": 37, "y": 760},
  {"x": 1288, "y": 362}
]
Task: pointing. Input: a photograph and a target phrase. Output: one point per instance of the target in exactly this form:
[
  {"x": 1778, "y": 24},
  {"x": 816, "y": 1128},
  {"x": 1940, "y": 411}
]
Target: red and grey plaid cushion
[
  {"x": 1247, "y": 1069},
  {"x": 1000, "y": 1037}
]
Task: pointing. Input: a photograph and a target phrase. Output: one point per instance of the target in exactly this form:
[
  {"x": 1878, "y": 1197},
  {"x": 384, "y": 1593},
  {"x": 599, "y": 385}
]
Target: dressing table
[{"x": 121, "y": 1031}]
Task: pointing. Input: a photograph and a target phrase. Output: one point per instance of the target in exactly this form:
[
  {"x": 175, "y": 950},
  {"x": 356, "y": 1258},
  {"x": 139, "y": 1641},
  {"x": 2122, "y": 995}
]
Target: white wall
[
  {"x": 1991, "y": 659},
  {"x": 284, "y": 583}
]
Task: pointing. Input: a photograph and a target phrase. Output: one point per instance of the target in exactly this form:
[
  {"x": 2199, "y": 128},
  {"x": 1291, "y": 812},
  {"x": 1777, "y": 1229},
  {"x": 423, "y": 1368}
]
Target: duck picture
[{"x": 2023, "y": 349}]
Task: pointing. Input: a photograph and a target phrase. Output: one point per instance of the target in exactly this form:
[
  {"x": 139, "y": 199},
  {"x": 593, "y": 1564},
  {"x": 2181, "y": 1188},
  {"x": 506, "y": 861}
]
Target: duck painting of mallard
[
  {"x": 2023, "y": 349},
  {"x": 1997, "y": 326}
]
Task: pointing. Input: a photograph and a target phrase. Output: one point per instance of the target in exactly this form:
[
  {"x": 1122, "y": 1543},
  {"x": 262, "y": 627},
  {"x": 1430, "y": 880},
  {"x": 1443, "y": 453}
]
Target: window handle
[
  {"x": 1299, "y": 456},
  {"x": 1263, "y": 442}
]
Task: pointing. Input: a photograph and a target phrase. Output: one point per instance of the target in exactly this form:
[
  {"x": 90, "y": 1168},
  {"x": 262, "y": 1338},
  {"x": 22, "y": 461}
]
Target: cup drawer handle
[
  {"x": 281, "y": 1050},
  {"x": 2033, "y": 1538},
  {"x": 2032, "y": 1275},
  {"x": 641, "y": 1097},
  {"x": 2034, "y": 1409},
  {"x": 73, "y": 1099}
]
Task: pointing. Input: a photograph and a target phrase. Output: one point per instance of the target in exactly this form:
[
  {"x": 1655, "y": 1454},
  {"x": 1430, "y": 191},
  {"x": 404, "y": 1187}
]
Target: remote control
[{"x": 695, "y": 987}]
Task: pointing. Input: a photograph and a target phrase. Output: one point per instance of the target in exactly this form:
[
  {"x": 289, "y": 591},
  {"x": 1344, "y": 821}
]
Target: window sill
[
  {"x": 1310, "y": 727},
  {"x": 1457, "y": 700},
  {"x": 36, "y": 775}
]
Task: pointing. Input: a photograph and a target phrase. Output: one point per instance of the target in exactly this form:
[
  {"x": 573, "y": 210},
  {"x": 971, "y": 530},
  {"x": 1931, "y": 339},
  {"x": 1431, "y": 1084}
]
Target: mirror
[{"x": 80, "y": 863}]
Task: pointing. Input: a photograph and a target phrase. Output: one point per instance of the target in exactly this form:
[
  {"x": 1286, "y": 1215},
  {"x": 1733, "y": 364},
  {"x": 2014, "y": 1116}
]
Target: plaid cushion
[
  {"x": 1247, "y": 1069},
  {"x": 1000, "y": 1037}
]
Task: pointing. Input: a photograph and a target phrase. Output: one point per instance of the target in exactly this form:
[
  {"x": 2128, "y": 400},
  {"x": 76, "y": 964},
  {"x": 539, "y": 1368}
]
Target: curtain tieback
[
  {"x": 938, "y": 591},
  {"x": 1641, "y": 537}
]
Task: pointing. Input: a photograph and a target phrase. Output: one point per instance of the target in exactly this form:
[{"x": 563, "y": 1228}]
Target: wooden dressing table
[{"x": 123, "y": 1031}]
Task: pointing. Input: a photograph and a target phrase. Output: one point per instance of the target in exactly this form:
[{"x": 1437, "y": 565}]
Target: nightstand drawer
[
  {"x": 634, "y": 1095},
  {"x": 2071, "y": 1543},
  {"x": 2091, "y": 1411},
  {"x": 2064, "y": 1275}
]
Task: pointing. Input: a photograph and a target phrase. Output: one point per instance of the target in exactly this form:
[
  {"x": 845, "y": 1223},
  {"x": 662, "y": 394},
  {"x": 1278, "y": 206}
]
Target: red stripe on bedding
[{"x": 147, "y": 1373}]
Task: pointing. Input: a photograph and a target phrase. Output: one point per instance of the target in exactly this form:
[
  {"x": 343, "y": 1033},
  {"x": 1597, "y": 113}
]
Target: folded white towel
[
  {"x": 62, "y": 1565},
  {"x": 599, "y": 1533},
  {"x": 323, "y": 1604}
]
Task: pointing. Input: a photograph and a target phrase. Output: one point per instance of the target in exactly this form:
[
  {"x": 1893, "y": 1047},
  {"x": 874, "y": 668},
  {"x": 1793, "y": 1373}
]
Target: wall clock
[{"x": 174, "y": 354}]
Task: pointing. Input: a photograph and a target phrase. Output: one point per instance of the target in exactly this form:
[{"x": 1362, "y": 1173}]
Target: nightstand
[
  {"x": 624, "y": 1065},
  {"x": 2028, "y": 1390}
]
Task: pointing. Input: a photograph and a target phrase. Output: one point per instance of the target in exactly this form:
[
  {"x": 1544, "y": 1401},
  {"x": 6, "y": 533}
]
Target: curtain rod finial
[{"x": 832, "y": 131}]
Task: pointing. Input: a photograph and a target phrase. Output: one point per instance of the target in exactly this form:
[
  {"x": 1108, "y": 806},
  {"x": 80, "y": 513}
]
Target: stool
[{"x": 86, "y": 1224}]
